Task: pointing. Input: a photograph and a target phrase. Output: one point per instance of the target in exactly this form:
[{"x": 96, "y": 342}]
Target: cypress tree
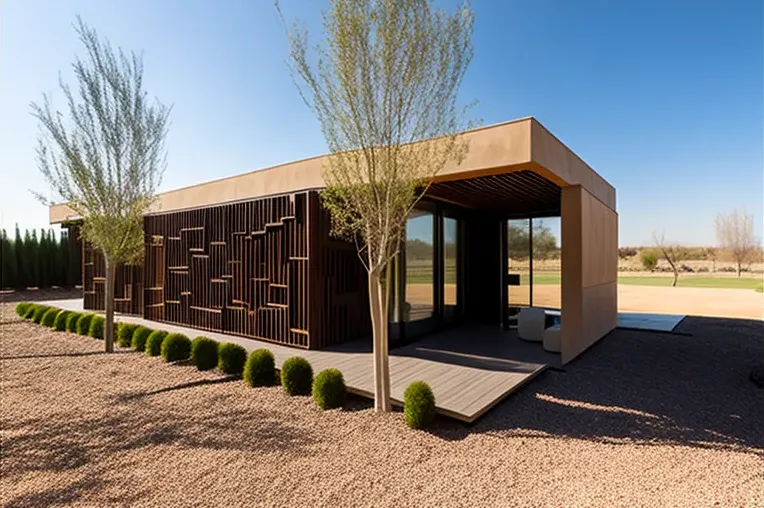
[
  {"x": 42, "y": 260},
  {"x": 63, "y": 260},
  {"x": 8, "y": 265},
  {"x": 53, "y": 259},
  {"x": 18, "y": 250},
  {"x": 30, "y": 258}
]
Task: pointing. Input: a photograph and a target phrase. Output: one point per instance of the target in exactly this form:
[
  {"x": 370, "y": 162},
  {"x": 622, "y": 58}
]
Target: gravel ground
[{"x": 640, "y": 420}]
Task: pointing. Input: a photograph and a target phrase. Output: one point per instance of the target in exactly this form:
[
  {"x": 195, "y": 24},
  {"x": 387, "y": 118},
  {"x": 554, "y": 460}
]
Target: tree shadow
[
  {"x": 62, "y": 355},
  {"x": 191, "y": 384},
  {"x": 642, "y": 388}
]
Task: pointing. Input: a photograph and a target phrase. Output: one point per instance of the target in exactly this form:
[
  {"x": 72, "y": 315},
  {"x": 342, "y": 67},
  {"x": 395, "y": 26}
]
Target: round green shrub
[
  {"x": 83, "y": 323},
  {"x": 21, "y": 308},
  {"x": 175, "y": 347},
  {"x": 59, "y": 324},
  {"x": 39, "y": 312},
  {"x": 297, "y": 376},
  {"x": 31, "y": 309},
  {"x": 329, "y": 389},
  {"x": 71, "y": 321},
  {"x": 154, "y": 342},
  {"x": 140, "y": 336},
  {"x": 260, "y": 369},
  {"x": 204, "y": 353},
  {"x": 97, "y": 326},
  {"x": 418, "y": 405},
  {"x": 125, "y": 334},
  {"x": 49, "y": 318},
  {"x": 231, "y": 358}
]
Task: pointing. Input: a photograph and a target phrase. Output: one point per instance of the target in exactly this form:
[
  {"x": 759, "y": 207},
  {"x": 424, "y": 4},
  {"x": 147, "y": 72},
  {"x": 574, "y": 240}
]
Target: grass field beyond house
[{"x": 689, "y": 281}]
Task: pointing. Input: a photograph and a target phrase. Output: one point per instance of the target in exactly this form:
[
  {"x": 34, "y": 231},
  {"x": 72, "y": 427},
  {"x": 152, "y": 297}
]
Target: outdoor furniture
[
  {"x": 552, "y": 342},
  {"x": 530, "y": 324}
]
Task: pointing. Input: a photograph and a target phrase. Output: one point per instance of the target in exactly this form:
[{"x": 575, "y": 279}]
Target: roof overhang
[{"x": 519, "y": 145}]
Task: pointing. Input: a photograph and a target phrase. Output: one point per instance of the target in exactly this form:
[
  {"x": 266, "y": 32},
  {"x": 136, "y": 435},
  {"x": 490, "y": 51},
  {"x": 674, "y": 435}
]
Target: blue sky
[{"x": 665, "y": 99}]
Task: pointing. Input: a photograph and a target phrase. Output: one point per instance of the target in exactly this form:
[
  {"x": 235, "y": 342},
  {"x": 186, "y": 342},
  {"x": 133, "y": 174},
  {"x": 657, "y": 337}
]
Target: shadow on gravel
[
  {"x": 62, "y": 355},
  {"x": 191, "y": 384},
  {"x": 643, "y": 388}
]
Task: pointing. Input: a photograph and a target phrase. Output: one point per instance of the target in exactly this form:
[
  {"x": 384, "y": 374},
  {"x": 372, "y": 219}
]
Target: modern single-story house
[{"x": 252, "y": 255}]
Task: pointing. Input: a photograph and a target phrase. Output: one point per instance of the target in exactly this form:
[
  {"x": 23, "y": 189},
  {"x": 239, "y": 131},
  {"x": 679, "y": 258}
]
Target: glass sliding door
[
  {"x": 420, "y": 265},
  {"x": 450, "y": 274},
  {"x": 519, "y": 262}
]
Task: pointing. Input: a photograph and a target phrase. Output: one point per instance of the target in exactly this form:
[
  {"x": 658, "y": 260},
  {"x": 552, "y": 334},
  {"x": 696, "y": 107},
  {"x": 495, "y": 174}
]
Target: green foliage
[
  {"x": 329, "y": 389},
  {"x": 260, "y": 369},
  {"x": 204, "y": 353},
  {"x": 39, "y": 312},
  {"x": 29, "y": 314},
  {"x": 297, "y": 376},
  {"x": 418, "y": 405},
  {"x": 125, "y": 335},
  {"x": 60, "y": 322},
  {"x": 231, "y": 358},
  {"x": 83, "y": 324},
  {"x": 29, "y": 262},
  {"x": 649, "y": 259},
  {"x": 176, "y": 347},
  {"x": 139, "y": 338},
  {"x": 154, "y": 342},
  {"x": 97, "y": 326},
  {"x": 22, "y": 308},
  {"x": 71, "y": 321},
  {"x": 49, "y": 318}
]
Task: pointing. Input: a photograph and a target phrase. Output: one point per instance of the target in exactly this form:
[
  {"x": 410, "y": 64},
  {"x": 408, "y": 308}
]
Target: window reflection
[{"x": 419, "y": 266}]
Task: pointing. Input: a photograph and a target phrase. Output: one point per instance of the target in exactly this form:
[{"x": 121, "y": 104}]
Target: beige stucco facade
[{"x": 589, "y": 218}]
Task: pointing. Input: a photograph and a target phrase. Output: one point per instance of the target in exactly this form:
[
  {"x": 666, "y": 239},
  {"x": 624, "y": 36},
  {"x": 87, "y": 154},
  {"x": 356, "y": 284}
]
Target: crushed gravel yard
[{"x": 643, "y": 419}]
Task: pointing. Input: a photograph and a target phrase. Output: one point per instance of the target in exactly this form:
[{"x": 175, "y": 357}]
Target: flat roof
[{"x": 517, "y": 145}]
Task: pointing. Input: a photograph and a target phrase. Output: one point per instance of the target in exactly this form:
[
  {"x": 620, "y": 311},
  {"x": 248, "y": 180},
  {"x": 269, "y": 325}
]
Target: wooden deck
[{"x": 470, "y": 369}]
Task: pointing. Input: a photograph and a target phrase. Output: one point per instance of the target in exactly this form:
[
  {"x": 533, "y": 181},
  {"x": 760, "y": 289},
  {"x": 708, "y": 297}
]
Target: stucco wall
[{"x": 590, "y": 270}]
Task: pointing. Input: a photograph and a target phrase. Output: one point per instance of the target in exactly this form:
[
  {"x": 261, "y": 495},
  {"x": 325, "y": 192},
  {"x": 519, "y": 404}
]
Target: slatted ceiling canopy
[{"x": 521, "y": 193}]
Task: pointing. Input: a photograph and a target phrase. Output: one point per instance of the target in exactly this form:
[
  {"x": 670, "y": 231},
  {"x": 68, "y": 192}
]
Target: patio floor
[{"x": 470, "y": 369}]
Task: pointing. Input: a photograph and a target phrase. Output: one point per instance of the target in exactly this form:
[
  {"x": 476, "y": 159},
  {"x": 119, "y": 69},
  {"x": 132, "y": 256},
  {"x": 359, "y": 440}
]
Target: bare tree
[
  {"x": 735, "y": 234},
  {"x": 712, "y": 254},
  {"x": 384, "y": 89},
  {"x": 105, "y": 158},
  {"x": 673, "y": 253}
]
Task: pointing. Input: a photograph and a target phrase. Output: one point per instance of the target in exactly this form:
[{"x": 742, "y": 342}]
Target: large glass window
[
  {"x": 450, "y": 281},
  {"x": 546, "y": 263},
  {"x": 519, "y": 262},
  {"x": 420, "y": 267}
]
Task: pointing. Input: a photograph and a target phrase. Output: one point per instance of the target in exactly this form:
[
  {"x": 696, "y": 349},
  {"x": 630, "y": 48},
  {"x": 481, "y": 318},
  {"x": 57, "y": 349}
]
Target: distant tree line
[{"x": 40, "y": 261}]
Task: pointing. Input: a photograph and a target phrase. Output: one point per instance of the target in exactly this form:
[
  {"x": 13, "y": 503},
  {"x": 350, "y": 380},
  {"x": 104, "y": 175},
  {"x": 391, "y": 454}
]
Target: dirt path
[{"x": 640, "y": 420}]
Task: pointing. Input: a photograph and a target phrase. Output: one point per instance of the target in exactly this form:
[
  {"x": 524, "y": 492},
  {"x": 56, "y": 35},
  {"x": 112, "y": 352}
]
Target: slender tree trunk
[
  {"x": 379, "y": 334},
  {"x": 739, "y": 267},
  {"x": 108, "y": 332}
]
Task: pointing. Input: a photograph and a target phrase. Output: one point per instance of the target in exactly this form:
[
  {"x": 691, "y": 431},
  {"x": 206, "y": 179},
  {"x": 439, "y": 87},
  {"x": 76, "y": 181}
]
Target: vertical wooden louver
[{"x": 264, "y": 269}]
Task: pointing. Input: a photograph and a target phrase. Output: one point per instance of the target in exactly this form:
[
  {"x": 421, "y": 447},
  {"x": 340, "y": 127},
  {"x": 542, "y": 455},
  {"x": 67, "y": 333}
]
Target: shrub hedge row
[{"x": 258, "y": 369}]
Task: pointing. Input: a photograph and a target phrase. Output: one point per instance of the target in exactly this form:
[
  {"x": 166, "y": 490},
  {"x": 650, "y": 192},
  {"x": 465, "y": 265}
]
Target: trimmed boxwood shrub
[
  {"x": 97, "y": 325},
  {"x": 21, "y": 308},
  {"x": 71, "y": 321},
  {"x": 139, "y": 338},
  {"x": 49, "y": 318},
  {"x": 154, "y": 342},
  {"x": 260, "y": 369},
  {"x": 297, "y": 376},
  {"x": 418, "y": 405},
  {"x": 83, "y": 323},
  {"x": 329, "y": 389},
  {"x": 125, "y": 335},
  {"x": 231, "y": 358},
  {"x": 31, "y": 309},
  {"x": 175, "y": 347},
  {"x": 59, "y": 324},
  {"x": 39, "y": 312},
  {"x": 204, "y": 353}
]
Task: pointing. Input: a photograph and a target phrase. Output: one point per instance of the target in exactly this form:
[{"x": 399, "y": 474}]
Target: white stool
[
  {"x": 552, "y": 342},
  {"x": 530, "y": 324}
]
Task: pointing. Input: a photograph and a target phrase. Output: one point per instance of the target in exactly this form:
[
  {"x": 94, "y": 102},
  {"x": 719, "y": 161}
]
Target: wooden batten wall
[{"x": 265, "y": 269}]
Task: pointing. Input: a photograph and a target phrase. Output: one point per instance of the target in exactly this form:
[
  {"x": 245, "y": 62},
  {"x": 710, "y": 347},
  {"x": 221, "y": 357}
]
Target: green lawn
[
  {"x": 688, "y": 281},
  {"x": 420, "y": 272}
]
